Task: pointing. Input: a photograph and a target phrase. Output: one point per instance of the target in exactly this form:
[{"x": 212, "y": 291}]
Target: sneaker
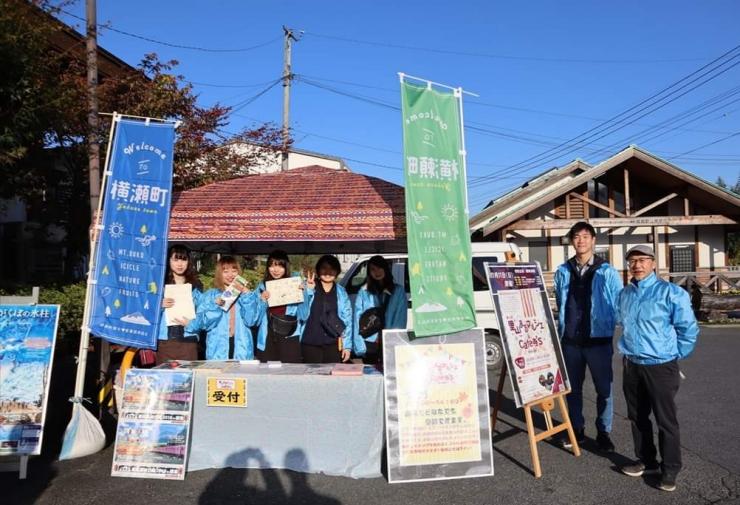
[
  {"x": 580, "y": 438},
  {"x": 667, "y": 482},
  {"x": 639, "y": 469},
  {"x": 603, "y": 442}
]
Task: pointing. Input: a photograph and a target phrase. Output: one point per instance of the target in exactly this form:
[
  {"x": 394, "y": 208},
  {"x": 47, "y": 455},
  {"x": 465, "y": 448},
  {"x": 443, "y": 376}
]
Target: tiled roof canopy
[{"x": 304, "y": 204}]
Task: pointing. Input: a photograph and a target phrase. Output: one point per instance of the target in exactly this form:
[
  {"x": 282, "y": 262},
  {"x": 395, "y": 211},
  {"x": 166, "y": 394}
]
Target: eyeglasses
[{"x": 642, "y": 261}]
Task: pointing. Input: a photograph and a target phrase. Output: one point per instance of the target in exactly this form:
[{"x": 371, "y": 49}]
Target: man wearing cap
[
  {"x": 586, "y": 290},
  {"x": 659, "y": 328}
]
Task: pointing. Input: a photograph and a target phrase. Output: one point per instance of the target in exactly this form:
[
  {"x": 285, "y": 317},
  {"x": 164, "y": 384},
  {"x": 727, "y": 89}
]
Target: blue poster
[
  {"x": 130, "y": 260},
  {"x": 27, "y": 336}
]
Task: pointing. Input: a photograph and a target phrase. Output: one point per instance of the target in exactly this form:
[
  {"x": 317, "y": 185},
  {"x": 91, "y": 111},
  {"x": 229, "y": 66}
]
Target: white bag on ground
[{"x": 84, "y": 435}]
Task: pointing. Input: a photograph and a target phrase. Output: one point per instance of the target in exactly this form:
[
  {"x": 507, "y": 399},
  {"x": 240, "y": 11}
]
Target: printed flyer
[
  {"x": 531, "y": 345},
  {"x": 437, "y": 413},
  {"x": 154, "y": 424},
  {"x": 27, "y": 337}
]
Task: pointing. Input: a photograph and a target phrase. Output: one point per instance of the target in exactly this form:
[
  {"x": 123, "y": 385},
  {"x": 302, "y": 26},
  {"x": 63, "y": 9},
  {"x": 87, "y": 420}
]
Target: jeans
[{"x": 598, "y": 359}]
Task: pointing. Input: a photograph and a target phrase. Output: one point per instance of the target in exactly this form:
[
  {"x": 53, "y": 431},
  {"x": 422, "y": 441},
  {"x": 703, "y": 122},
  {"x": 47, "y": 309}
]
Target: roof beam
[
  {"x": 617, "y": 222},
  {"x": 654, "y": 204},
  {"x": 597, "y": 204}
]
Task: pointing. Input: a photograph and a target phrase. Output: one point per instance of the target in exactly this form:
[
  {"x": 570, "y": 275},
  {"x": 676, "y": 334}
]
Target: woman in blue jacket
[
  {"x": 275, "y": 340},
  {"x": 228, "y": 333},
  {"x": 180, "y": 341},
  {"x": 327, "y": 334},
  {"x": 379, "y": 291}
]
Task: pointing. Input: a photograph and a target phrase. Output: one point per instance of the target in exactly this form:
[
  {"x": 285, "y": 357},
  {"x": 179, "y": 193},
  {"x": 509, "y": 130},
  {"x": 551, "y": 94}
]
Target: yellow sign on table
[{"x": 227, "y": 392}]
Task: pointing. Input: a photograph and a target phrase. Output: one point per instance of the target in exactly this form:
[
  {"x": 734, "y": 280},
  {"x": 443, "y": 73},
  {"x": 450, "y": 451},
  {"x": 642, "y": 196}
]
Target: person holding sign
[
  {"x": 659, "y": 328},
  {"x": 380, "y": 304},
  {"x": 278, "y": 329},
  {"x": 586, "y": 290},
  {"x": 227, "y": 311},
  {"x": 180, "y": 339},
  {"x": 327, "y": 334}
]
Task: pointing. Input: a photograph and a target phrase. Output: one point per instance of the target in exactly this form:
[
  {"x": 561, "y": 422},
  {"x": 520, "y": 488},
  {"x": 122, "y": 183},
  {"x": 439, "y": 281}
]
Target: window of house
[
  {"x": 538, "y": 252},
  {"x": 682, "y": 258},
  {"x": 602, "y": 252}
]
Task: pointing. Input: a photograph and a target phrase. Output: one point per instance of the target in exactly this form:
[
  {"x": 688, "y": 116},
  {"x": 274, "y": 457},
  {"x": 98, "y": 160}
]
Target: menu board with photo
[{"x": 154, "y": 424}]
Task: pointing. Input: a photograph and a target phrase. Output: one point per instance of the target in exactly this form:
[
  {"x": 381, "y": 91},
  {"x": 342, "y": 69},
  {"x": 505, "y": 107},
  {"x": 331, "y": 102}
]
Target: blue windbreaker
[
  {"x": 657, "y": 320},
  {"x": 395, "y": 314},
  {"x": 344, "y": 309},
  {"x": 263, "y": 319},
  {"x": 605, "y": 288},
  {"x": 191, "y": 330},
  {"x": 215, "y": 321}
]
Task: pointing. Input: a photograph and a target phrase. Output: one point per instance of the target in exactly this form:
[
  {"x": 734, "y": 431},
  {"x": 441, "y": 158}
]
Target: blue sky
[{"x": 545, "y": 71}]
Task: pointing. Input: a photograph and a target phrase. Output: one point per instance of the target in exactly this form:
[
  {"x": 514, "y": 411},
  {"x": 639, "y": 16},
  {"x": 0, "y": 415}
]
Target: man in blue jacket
[
  {"x": 659, "y": 328},
  {"x": 586, "y": 290}
]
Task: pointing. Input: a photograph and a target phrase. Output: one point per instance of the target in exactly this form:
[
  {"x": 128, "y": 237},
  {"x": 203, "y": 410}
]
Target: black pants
[
  {"x": 277, "y": 348},
  {"x": 373, "y": 354},
  {"x": 653, "y": 388},
  {"x": 328, "y": 353}
]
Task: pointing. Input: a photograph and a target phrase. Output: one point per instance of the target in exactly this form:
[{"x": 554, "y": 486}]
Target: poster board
[
  {"x": 531, "y": 345},
  {"x": 27, "y": 339},
  {"x": 437, "y": 411},
  {"x": 153, "y": 431}
]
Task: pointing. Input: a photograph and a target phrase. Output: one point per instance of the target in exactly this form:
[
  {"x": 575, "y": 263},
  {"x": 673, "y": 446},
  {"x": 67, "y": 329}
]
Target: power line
[
  {"x": 496, "y": 56},
  {"x": 240, "y": 105},
  {"x": 178, "y": 46},
  {"x": 706, "y": 145},
  {"x": 477, "y": 103},
  {"x": 653, "y": 101},
  {"x": 211, "y": 85}
]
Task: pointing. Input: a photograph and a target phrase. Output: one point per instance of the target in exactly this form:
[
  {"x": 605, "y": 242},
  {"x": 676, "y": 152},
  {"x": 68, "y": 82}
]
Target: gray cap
[{"x": 645, "y": 250}]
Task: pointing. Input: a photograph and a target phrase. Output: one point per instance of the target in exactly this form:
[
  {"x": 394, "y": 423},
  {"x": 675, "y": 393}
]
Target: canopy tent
[{"x": 300, "y": 211}]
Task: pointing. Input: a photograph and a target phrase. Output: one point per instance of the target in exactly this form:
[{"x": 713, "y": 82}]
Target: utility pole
[
  {"x": 93, "y": 156},
  {"x": 287, "y": 78},
  {"x": 93, "y": 145}
]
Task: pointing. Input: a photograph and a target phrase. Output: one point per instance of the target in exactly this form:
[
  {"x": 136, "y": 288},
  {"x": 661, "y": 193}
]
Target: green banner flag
[{"x": 436, "y": 219}]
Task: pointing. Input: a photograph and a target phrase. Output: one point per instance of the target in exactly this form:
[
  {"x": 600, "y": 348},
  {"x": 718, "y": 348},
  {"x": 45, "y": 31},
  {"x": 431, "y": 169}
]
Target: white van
[{"x": 356, "y": 276}]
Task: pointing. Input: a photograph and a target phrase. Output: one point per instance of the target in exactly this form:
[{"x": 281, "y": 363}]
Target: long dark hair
[
  {"x": 277, "y": 257},
  {"x": 377, "y": 287},
  {"x": 180, "y": 252}
]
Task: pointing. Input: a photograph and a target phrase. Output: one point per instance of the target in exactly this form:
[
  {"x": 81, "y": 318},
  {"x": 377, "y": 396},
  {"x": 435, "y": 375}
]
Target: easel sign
[
  {"x": 437, "y": 410},
  {"x": 534, "y": 359},
  {"x": 531, "y": 346}
]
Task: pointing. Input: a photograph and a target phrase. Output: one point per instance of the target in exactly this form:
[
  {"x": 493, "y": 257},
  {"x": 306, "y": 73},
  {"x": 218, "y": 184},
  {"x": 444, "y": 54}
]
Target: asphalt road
[{"x": 709, "y": 409}]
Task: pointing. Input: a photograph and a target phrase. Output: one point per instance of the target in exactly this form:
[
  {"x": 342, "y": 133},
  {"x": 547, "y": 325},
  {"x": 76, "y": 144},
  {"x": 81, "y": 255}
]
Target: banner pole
[
  {"x": 463, "y": 153},
  {"x": 85, "y": 335}
]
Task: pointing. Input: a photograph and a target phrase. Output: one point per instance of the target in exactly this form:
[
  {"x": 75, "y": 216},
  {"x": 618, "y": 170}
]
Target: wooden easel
[{"x": 547, "y": 405}]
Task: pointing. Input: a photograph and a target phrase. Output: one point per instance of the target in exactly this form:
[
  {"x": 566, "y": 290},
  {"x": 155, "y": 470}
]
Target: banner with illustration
[
  {"x": 531, "y": 344},
  {"x": 437, "y": 410},
  {"x": 154, "y": 424},
  {"x": 27, "y": 337},
  {"x": 130, "y": 261},
  {"x": 436, "y": 212}
]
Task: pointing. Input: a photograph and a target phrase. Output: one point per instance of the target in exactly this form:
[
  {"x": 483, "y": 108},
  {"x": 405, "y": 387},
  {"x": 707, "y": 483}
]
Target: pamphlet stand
[{"x": 547, "y": 405}]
